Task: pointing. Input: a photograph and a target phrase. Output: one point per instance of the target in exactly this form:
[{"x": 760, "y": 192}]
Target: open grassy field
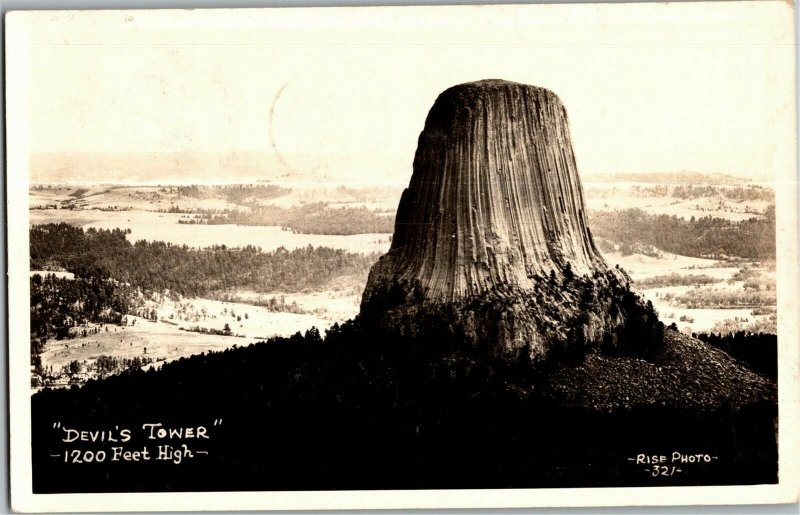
[
  {"x": 731, "y": 202},
  {"x": 694, "y": 319},
  {"x": 170, "y": 336},
  {"x": 155, "y": 339}
]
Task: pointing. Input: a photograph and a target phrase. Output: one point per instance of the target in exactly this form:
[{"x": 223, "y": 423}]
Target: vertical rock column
[{"x": 494, "y": 210}]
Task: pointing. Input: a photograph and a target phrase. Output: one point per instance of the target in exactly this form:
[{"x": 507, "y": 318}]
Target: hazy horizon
[{"x": 173, "y": 168}]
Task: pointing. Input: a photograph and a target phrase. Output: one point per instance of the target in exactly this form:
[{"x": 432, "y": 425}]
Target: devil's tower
[{"x": 490, "y": 239}]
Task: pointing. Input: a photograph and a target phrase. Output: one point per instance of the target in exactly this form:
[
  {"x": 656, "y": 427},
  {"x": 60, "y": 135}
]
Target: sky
[{"x": 342, "y": 93}]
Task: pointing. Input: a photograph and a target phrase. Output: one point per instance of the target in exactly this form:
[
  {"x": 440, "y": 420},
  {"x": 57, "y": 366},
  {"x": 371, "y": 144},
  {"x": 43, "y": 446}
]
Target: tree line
[
  {"x": 753, "y": 238},
  {"x": 675, "y": 279},
  {"x": 312, "y": 218},
  {"x": 759, "y": 351},
  {"x": 749, "y": 192},
  {"x": 159, "y": 266},
  {"x": 710, "y": 297},
  {"x": 236, "y": 193},
  {"x": 59, "y": 304},
  {"x": 738, "y": 193}
]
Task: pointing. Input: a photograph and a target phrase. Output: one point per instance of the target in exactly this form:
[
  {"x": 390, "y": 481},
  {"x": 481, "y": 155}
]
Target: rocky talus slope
[{"x": 491, "y": 236}]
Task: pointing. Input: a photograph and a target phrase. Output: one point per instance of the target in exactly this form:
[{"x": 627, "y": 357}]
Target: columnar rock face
[{"x": 494, "y": 210}]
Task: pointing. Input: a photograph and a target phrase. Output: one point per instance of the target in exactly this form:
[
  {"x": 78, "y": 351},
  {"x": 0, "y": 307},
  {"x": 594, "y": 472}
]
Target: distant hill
[
  {"x": 174, "y": 167},
  {"x": 680, "y": 177}
]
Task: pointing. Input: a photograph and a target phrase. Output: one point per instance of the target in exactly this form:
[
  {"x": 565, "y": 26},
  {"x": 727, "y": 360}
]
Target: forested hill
[
  {"x": 156, "y": 266},
  {"x": 313, "y": 218},
  {"x": 753, "y": 238},
  {"x": 363, "y": 410}
]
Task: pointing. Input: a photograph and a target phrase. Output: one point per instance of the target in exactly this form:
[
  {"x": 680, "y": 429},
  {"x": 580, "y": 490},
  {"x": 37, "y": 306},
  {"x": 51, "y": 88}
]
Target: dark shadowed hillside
[{"x": 367, "y": 411}]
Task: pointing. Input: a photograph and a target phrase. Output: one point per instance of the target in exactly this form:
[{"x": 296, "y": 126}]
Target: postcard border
[{"x": 19, "y": 388}]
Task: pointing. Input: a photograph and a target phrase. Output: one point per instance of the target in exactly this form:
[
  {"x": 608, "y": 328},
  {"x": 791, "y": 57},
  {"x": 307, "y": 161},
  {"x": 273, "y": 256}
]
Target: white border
[{"x": 20, "y": 443}]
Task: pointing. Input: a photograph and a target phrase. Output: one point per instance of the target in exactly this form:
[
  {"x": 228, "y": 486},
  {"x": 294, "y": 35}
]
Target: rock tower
[{"x": 491, "y": 239}]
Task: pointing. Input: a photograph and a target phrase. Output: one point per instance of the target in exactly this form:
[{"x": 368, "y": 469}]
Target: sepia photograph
[{"x": 402, "y": 257}]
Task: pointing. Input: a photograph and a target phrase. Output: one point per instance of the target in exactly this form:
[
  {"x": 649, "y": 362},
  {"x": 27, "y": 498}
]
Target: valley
[{"x": 698, "y": 293}]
